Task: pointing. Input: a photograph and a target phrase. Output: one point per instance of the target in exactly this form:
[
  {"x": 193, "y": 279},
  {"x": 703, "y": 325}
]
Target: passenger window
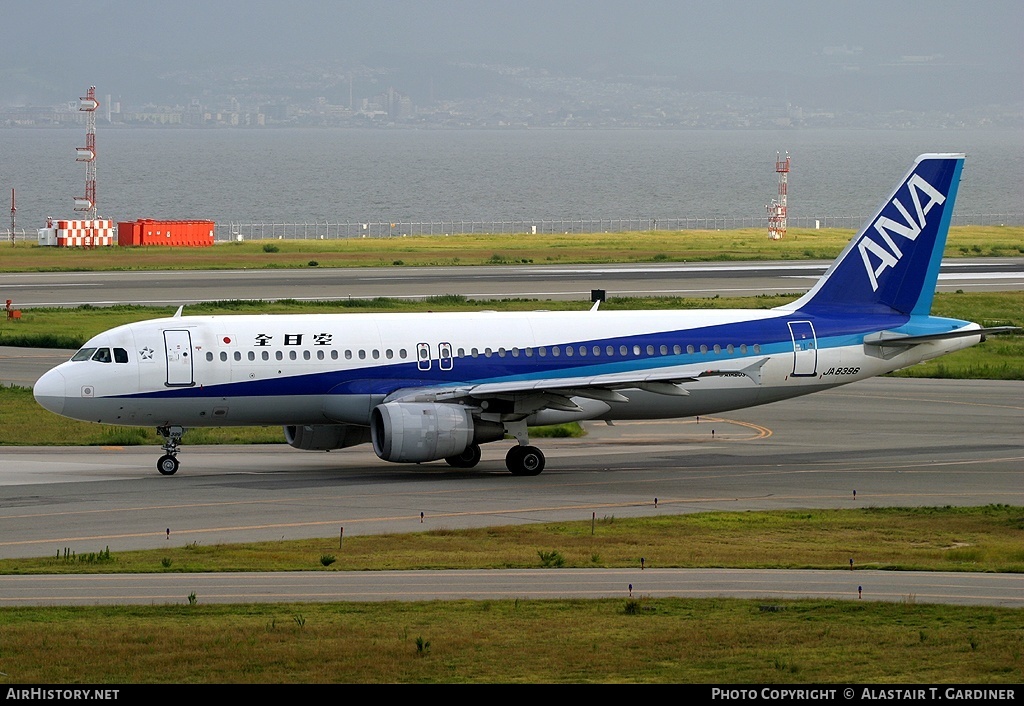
[
  {"x": 209, "y": 356},
  {"x": 223, "y": 356},
  {"x": 266, "y": 355},
  {"x": 305, "y": 355},
  {"x": 252, "y": 355},
  {"x": 238, "y": 355}
]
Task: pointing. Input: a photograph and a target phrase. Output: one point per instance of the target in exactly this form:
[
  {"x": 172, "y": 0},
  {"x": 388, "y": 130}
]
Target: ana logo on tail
[{"x": 889, "y": 253}]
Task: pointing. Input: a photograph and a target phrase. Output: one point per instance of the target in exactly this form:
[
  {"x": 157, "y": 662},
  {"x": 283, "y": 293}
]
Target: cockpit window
[
  {"x": 102, "y": 355},
  {"x": 84, "y": 354},
  {"x": 120, "y": 355}
]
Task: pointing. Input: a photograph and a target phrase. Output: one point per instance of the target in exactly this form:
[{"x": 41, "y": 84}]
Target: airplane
[{"x": 425, "y": 387}]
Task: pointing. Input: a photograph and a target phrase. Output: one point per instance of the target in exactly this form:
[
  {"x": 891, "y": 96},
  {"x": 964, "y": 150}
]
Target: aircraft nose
[{"x": 50, "y": 391}]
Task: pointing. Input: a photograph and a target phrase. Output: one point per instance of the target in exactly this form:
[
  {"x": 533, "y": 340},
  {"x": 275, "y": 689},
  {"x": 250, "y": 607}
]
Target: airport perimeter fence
[
  {"x": 397, "y": 229},
  {"x": 324, "y": 230}
]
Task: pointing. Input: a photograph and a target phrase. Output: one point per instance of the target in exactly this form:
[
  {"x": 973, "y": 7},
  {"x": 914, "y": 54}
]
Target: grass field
[
  {"x": 485, "y": 249},
  {"x": 628, "y": 640},
  {"x": 654, "y": 641},
  {"x": 987, "y": 538}
]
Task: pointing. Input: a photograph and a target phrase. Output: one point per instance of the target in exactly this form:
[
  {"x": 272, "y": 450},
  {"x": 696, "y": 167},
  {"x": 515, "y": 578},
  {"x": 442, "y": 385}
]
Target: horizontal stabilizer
[{"x": 893, "y": 339}]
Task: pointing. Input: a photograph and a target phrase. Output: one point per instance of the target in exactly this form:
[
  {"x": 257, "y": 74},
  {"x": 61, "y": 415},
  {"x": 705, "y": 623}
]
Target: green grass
[
  {"x": 989, "y": 538},
  {"x": 484, "y": 249},
  {"x": 643, "y": 640}
]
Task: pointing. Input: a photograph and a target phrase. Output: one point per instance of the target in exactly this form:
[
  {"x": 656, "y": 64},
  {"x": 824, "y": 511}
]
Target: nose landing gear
[{"x": 168, "y": 463}]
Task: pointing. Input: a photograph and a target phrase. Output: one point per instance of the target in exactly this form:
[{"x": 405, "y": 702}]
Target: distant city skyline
[{"x": 532, "y": 57}]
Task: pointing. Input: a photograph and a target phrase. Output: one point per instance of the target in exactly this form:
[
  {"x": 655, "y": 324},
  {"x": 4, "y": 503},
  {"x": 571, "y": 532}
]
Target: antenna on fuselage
[{"x": 177, "y": 314}]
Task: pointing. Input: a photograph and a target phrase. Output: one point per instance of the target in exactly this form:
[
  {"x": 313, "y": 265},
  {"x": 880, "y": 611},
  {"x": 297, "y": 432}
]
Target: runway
[
  {"x": 1005, "y": 590},
  {"x": 57, "y": 289}
]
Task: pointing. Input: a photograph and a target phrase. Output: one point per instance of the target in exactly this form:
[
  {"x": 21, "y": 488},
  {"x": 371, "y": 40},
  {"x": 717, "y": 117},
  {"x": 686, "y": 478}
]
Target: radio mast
[
  {"x": 88, "y": 104},
  {"x": 777, "y": 208}
]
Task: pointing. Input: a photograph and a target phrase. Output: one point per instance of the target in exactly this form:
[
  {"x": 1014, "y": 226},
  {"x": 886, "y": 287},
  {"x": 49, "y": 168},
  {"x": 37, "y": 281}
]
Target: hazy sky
[{"x": 59, "y": 47}]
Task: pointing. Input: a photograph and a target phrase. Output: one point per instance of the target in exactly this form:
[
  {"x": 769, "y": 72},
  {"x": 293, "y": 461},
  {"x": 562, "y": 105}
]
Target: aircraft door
[
  {"x": 805, "y": 349},
  {"x": 178, "y": 345}
]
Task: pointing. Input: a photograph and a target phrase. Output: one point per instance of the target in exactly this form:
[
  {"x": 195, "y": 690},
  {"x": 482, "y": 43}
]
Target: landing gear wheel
[
  {"x": 467, "y": 459},
  {"x": 524, "y": 461},
  {"x": 167, "y": 465}
]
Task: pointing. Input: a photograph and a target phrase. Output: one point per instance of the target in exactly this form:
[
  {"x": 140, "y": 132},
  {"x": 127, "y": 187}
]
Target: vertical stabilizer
[{"x": 892, "y": 264}]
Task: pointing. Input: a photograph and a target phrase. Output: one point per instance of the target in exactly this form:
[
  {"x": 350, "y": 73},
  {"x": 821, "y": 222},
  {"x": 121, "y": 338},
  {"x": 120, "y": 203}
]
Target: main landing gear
[
  {"x": 524, "y": 461},
  {"x": 520, "y": 460},
  {"x": 168, "y": 463}
]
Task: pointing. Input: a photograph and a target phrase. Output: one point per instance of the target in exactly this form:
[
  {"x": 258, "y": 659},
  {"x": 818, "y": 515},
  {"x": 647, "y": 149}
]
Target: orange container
[{"x": 146, "y": 231}]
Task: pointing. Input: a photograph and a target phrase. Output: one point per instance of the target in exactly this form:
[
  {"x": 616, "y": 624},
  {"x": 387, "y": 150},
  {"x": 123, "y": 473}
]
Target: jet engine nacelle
[
  {"x": 414, "y": 432},
  {"x": 324, "y": 437}
]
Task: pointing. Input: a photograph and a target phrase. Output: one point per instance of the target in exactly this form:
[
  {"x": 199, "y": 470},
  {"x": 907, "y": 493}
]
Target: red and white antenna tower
[
  {"x": 88, "y": 104},
  {"x": 777, "y": 208}
]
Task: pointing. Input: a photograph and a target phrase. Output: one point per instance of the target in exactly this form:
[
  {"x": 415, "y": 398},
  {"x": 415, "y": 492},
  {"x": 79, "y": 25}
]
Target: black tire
[
  {"x": 467, "y": 459},
  {"x": 524, "y": 461},
  {"x": 167, "y": 465}
]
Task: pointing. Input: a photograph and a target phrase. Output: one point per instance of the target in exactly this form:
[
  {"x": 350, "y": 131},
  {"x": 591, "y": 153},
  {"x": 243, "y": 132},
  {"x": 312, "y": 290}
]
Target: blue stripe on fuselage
[{"x": 771, "y": 335}]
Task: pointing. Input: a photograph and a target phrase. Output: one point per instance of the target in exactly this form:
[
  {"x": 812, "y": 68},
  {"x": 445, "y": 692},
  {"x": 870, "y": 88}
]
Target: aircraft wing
[{"x": 556, "y": 393}]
